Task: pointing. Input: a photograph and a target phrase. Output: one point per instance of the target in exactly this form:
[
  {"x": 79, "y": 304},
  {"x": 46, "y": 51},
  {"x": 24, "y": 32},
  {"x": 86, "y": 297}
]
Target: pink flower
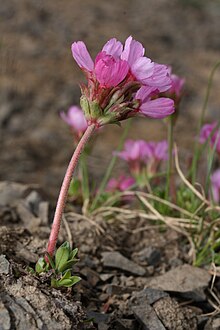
[
  {"x": 122, "y": 83},
  {"x": 75, "y": 119},
  {"x": 176, "y": 90},
  {"x": 177, "y": 85},
  {"x": 143, "y": 156},
  {"x": 110, "y": 71},
  {"x": 206, "y": 132},
  {"x": 154, "y": 108},
  {"x": 215, "y": 188},
  {"x": 121, "y": 184}
]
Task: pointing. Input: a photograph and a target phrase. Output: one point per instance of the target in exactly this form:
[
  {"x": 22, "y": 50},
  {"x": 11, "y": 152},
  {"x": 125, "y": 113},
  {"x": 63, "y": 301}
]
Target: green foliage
[
  {"x": 59, "y": 268},
  {"x": 187, "y": 200}
]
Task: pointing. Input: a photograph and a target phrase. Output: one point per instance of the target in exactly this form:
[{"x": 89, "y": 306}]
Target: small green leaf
[
  {"x": 66, "y": 282},
  {"x": 54, "y": 283},
  {"x": 51, "y": 262},
  {"x": 66, "y": 275},
  {"x": 40, "y": 266},
  {"x": 69, "y": 282},
  {"x": 73, "y": 253},
  {"x": 68, "y": 265},
  {"x": 62, "y": 255},
  {"x": 75, "y": 279}
]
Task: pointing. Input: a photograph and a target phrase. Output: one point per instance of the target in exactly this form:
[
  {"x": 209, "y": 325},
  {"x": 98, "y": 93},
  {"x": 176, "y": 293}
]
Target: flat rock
[
  {"x": 188, "y": 280},
  {"x": 116, "y": 260},
  {"x": 148, "y": 317},
  {"x": 4, "y": 265},
  {"x": 149, "y": 296},
  {"x": 151, "y": 255},
  {"x": 11, "y": 191},
  {"x": 173, "y": 316}
]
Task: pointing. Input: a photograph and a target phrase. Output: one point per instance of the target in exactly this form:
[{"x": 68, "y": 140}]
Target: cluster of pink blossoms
[
  {"x": 215, "y": 189},
  {"x": 122, "y": 83},
  {"x": 76, "y": 120},
  {"x": 144, "y": 156},
  {"x": 122, "y": 183},
  {"x": 176, "y": 90},
  {"x": 206, "y": 133},
  {"x": 210, "y": 131}
]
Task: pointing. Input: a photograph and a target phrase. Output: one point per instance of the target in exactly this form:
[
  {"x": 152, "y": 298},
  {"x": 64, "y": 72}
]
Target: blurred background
[{"x": 39, "y": 78}]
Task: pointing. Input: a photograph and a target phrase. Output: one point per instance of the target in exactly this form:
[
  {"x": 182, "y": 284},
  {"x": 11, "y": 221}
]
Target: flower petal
[
  {"x": 81, "y": 56},
  {"x": 158, "y": 108},
  {"x": 161, "y": 150},
  {"x": 113, "y": 47},
  {"x": 109, "y": 71},
  {"x": 144, "y": 93},
  {"x": 142, "y": 69},
  {"x": 160, "y": 78},
  {"x": 75, "y": 118},
  {"x": 132, "y": 51}
]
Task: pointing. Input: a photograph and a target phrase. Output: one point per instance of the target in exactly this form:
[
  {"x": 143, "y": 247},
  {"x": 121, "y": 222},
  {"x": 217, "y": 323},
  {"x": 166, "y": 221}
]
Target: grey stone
[
  {"x": 116, "y": 260},
  {"x": 32, "y": 201},
  {"x": 149, "y": 296},
  {"x": 105, "y": 277},
  {"x": 43, "y": 213},
  {"x": 187, "y": 280},
  {"x": 6, "y": 111},
  {"x": 213, "y": 324},
  {"x": 4, "y": 265},
  {"x": 147, "y": 316},
  {"x": 118, "y": 290},
  {"x": 151, "y": 255},
  {"x": 5, "y": 322},
  {"x": 11, "y": 191}
]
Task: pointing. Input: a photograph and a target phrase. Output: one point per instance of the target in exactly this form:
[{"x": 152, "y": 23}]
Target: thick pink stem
[{"x": 64, "y": 190}]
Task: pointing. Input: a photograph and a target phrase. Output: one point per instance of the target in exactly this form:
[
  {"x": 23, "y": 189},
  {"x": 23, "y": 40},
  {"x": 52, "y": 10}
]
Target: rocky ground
[{"x": 132, "y": 278}]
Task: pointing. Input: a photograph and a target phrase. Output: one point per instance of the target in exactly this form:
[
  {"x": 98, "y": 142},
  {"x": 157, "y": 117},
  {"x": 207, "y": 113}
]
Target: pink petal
[
  {"x": 160, "y": 78},
  {"x": 158, "y": 108},
  {"x": 113, "y": 47},
  {"x": 132, "y": 51},
  {"x": 144, "y": 93},
  {"x": 126, "y": 183},
  {"x": 81, "y": 56},
  {"x": 110, "y": 72},
  {"x": 142, "y": 69},
  {"x": 161, "y": 150},
  {"x": 177, "y": 85},
  {"x": 75, "y": 118}
]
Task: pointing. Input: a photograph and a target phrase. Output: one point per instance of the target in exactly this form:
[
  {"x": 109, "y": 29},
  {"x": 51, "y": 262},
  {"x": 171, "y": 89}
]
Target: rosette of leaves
[{"x": 59, "y": 268}]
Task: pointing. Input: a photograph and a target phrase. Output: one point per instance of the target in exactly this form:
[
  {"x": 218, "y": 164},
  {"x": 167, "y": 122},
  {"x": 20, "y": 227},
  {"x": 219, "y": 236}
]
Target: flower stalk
[
  {"x": 170, "y": 157},
  {"x": 64, "y": 189}
]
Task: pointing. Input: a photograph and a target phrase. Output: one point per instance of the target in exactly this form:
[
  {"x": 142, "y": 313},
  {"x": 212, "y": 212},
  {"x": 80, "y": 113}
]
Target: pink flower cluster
[
  {"x": 206, "y": 133},
  {"x": 122, "y": 183},
  {"x": 215, "y": 186},
  {"x": 76, "y": 120},
  {"x": 141, "y": 155},
  {"x": 176, "y": 89},
  {"x": 122, "y": 82}
]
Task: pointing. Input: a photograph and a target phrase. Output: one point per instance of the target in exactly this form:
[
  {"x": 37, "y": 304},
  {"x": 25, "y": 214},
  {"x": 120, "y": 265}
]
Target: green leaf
[
  {"x": 66, "y": 275},
  {"x": 73, "y": 253},
  {"x": 66, "y": 282},
  {"x": 68, "y": 265},
  {"x": 62, "y": 255},
  {"x": 69, "y": 282},
  {"x": 40, "y": 266},
  {"x": 75, "y": 187},
  {"x": 75, "y": 279},
  {"x": 51, "y": 262}
]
